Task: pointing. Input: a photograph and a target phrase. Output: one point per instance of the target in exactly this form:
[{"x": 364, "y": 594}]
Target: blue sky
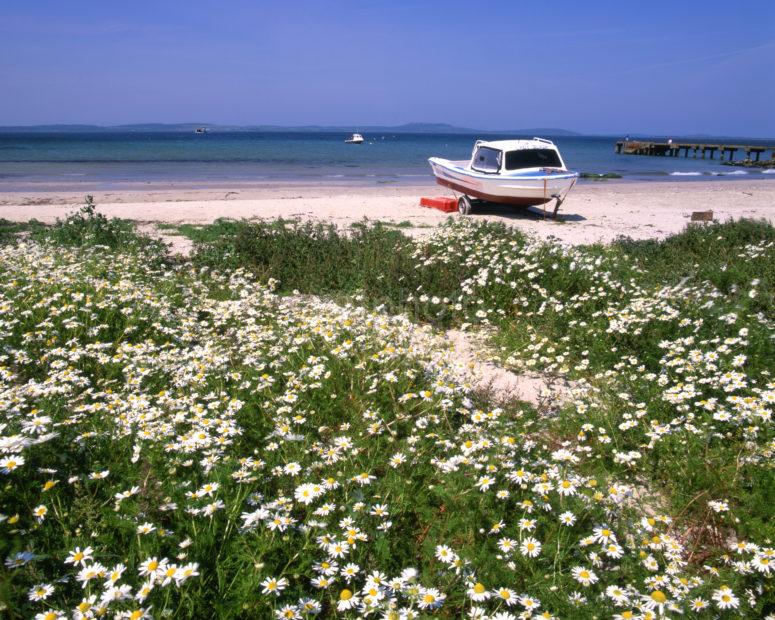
[{"x": 677, "y": 67}]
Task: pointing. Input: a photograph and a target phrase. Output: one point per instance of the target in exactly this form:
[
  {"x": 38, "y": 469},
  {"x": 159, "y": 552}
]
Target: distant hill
[
  {"x": 144, "y": 127},
  {"x": 190, "y": 127}
]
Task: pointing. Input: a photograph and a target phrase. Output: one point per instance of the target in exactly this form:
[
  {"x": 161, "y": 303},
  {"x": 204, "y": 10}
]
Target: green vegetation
[
  {"x": 712, "y": 252},
  {"x": 596, "y": 176},
  {"x": 87, "y": 227},
  {"x": 177, "y": 439},
  {"x": 372, "y": 261},
  {"x": 10, "y": 231}
]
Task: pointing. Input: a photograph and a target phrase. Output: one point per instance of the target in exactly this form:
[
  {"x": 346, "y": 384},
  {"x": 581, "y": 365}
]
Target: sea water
[{"x": 103, "y": 160}]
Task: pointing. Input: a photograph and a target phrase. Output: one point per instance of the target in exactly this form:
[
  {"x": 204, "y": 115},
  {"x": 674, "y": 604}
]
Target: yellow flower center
[
  {"x": 428, "y": 598},
  {"x": 345, "y": 595},
  {"x": 479, "y": 588},
  {"x": 658, "y": 596}
]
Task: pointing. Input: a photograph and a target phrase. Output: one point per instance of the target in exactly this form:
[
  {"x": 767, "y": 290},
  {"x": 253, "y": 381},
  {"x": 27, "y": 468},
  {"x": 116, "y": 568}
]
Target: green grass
[
  {"x": 88, "y": 227},
  {"x": 190, "y": 397},
  {"x": 373, "y": 261},
  {"x": 567, "y": 299},
  {"x": 206, "y": 233},
  {"x": 712, "y": 252},
  {"x": 10, "y": 231}
]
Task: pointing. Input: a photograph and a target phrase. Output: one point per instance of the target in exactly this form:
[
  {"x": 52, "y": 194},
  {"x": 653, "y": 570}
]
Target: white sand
[{"x": 594, "y": 212}]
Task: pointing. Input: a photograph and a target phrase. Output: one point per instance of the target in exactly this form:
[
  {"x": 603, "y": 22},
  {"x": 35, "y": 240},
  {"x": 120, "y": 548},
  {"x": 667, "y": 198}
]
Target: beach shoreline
[{"x": 594, "y": 211}]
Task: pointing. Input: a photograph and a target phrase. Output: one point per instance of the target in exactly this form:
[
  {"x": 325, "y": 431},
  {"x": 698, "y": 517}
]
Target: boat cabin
[{"x": 504, "y": 156}]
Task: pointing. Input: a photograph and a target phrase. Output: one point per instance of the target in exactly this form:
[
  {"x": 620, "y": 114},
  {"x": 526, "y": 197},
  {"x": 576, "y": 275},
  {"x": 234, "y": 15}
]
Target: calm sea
[{"x": 112, "y": 160}]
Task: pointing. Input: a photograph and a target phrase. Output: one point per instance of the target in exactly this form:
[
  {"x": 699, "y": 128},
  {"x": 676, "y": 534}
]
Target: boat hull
[{"x": 535, "y": 188}]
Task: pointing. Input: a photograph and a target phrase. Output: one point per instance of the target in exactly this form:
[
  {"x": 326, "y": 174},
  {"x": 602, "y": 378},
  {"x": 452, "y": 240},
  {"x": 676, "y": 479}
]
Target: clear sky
[{"x": 677, "y": 67}]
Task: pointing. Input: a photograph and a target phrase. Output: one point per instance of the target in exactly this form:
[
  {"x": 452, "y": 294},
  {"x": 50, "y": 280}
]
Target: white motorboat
[
  {"x": 514, "y": 172},
  {"x": 356, "y": 138}
]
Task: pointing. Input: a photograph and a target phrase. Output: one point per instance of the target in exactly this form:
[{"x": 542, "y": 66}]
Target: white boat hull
[{"x": 526, "y": 188}]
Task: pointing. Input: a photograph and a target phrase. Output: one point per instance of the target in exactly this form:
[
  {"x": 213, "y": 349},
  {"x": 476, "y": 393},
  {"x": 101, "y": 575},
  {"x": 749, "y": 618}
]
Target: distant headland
[{"x": 441, "y": 128}]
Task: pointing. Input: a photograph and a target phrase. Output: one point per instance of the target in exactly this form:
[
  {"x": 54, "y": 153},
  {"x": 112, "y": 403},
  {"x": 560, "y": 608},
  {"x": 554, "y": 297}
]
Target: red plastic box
[{"x": 442, "y": 203}]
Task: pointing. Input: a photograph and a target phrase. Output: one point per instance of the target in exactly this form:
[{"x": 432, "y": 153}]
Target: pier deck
[{"x": 673, "y": 149}]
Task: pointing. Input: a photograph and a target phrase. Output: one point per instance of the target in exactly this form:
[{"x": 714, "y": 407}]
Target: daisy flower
[
  {"x": 507, "y": 595},
  {"x": 478, "y": 592},
  {"x": 725, "y": 598},
  {"x": 530, "y": 547},
  {"x": 430, "y": 598},
  {"x": 79, "y": 557},
  {"x": 347, "y": 600},
  {"x": 271, "y": 585},
  {"x": 584, "y": 576},
  {"x": 40, "y": 592}
]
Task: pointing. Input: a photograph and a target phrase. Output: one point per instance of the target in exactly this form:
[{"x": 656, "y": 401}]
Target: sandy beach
[{"x": 594, "y": 212}]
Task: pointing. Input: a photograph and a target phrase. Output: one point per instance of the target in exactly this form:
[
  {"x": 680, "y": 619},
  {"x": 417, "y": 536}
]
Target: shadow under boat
[{"x": 482, "y": 207}]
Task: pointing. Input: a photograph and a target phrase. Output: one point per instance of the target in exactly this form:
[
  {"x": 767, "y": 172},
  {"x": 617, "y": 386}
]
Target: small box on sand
[
  {"x": 442, "y": 203},
  {"x": 702, "y": 216}
]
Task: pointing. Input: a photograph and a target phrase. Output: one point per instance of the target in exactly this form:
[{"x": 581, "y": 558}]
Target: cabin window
[
  {"x": 532, "y": 158},
  {"x": 486, "y": 159}
]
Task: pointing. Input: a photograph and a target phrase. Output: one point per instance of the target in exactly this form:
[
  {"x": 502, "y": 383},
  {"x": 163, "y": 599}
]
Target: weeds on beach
[
  {"x": 177, "y": 439},
  {"x": 9, "y": 231},
  {"x": 88, "y": 227}
]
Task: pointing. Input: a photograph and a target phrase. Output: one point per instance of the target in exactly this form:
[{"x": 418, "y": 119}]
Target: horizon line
[{"x": 428, "y": 125}]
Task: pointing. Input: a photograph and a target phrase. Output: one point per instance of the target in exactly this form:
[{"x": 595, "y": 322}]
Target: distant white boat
[
  {"x": 201, "y": 130},
  {"x": 356, "y": 138},
  {"x": 514, "y": 172}
]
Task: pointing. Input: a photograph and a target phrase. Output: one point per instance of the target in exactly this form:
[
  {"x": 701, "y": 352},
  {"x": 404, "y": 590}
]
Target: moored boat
[
  {"x": 514, "y": 172},
  {"x": 356, "y": 138}
]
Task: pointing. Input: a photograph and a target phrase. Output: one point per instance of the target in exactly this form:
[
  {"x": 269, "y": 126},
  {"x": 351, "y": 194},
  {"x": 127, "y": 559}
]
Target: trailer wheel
[{"x": 464, "y": 205}]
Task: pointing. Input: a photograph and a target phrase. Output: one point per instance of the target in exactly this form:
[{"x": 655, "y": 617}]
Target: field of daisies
[{"x": 277, "y": 426}]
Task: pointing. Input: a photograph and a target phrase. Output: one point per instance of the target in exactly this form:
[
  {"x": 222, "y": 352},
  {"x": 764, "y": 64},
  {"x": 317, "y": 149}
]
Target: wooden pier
[{"x": 673, "y": 149}]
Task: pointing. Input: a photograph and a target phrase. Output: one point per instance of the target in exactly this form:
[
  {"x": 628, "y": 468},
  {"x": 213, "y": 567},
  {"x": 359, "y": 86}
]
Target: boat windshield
[
  {"x": 486, "y": 159},
  {"x": 532, "y": 158}
]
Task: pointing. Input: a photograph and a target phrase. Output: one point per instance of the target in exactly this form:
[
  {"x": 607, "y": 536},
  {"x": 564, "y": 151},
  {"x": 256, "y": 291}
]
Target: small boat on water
[
  {"x": 356, "y": 138},
  {"x": 514, "y": 172},
  {"x": 201, "y": 130}
]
